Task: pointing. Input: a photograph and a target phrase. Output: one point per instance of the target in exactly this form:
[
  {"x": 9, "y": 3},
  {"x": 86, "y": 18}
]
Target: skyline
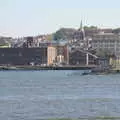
[{"x": 34, "y": 17}]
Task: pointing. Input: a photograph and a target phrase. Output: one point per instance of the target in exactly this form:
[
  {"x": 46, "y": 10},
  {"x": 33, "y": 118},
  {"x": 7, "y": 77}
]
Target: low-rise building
[
  {"x": 5, "y": 42},
  {"x": 60, "y": 59},
  {"x": 23, "y": 56},
  {"x": 78, "y": 57}
]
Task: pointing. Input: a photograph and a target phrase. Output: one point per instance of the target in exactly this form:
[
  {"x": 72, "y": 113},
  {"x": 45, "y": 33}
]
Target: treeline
[{"x": 67, "y": 33}]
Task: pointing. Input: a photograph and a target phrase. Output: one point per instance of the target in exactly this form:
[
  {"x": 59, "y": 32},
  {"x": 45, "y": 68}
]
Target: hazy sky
[{"x": 33, "y": 17}]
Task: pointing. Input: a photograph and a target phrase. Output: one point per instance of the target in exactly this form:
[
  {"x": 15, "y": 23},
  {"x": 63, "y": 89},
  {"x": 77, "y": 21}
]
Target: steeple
[
  {"x": 82, "y": 31},
  {"x": 81, "y": 25}
]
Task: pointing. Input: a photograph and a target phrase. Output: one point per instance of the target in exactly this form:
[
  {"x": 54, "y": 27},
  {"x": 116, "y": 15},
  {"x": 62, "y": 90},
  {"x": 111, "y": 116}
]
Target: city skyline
[{"x": 33, "y": 17}]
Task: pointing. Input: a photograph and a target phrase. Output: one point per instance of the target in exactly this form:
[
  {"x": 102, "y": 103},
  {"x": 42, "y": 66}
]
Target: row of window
[{"x": 104, "y": 41}]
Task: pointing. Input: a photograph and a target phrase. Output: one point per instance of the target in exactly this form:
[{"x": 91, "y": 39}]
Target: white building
[
  {"x": 51, "y": 54},
  {"x": 107, "y": 42}
]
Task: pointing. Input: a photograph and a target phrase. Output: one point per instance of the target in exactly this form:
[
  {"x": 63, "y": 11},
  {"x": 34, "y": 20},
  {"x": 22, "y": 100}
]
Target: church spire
[
  {"x": 81, "y": 29},
  {"x": 81, "y": 25}
]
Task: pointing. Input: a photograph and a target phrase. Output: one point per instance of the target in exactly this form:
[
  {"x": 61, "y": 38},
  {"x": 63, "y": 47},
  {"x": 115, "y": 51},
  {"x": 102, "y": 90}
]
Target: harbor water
[{"x": 34, "y": 95}]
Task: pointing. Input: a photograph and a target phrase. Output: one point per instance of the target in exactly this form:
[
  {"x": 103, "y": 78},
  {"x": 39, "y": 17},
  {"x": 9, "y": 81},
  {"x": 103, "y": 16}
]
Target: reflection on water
[{"x": 33, "y": 95}]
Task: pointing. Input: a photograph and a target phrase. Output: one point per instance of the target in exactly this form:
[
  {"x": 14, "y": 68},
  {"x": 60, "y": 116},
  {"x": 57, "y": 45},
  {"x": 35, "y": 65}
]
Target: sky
[{"x": 33, "y": 17}]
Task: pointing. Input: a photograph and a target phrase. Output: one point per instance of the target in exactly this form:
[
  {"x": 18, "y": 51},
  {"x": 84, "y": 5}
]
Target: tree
[
  {"x": 90, "y": 27},
  {"x": 64, "y": 34},
  {"x": 105, "y": 53}
]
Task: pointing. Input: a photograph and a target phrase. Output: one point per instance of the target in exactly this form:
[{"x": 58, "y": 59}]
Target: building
[
  {"x": 78, "y": 57},
  {"x": 19, "y": 42},
  {"x": 30, "y": 42},
  {"x": 107, "y": 42},
  {"x": 106, "y": 30},
  {"x": 5, "y": 42},
  {"x": 62, "y": 50},
  {"x": 51, "y": 55},
  {"x": 23, "y": 56},
  {"x": 40, "y": 41},
  {"x": 60, "y": 59},
  {"x": 79, "y": 37}
]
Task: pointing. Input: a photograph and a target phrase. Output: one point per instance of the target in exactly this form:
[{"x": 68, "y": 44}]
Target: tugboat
[
  {"x": 87, "y": 72},
  {"x": 102, "y": 68}
]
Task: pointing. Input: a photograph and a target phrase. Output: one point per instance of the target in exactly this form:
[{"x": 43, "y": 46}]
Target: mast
[{"x": 85, "y": 42}]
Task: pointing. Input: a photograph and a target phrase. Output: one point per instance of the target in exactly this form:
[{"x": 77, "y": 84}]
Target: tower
[
  {"x": 84, "y": 41},
  {"x": 81, "y": 25},
  {"x": 81, "y": 31}
]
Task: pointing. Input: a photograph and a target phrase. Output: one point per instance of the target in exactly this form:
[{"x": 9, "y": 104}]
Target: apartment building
[{"x": 107, "y": 42}]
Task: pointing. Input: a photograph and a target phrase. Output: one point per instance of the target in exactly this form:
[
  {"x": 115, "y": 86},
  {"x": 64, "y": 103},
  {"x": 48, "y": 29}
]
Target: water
[{"x": 34, "y": 95}]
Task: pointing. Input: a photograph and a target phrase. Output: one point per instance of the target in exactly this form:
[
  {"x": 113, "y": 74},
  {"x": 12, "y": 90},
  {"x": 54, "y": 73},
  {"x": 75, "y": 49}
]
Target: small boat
[{"x": 86, "y": 72}]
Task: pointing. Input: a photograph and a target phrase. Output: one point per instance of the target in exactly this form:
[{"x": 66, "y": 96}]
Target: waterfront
[{"x": 33, "y": 95}]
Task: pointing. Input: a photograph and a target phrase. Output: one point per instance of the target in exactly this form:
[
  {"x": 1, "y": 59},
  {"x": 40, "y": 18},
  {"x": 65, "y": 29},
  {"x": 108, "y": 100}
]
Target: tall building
[{"x": 51, "y": 55}]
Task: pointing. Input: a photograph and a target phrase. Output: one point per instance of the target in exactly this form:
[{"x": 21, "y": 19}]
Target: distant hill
[
  {"x": 68, "y": 33},
  {"x": 64, "y": 34}
]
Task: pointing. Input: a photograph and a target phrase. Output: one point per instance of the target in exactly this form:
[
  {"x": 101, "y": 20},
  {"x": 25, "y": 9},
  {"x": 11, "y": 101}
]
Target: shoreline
[
  {"x": 88, "y": 70},
  {"x": 47, "y": 67}
]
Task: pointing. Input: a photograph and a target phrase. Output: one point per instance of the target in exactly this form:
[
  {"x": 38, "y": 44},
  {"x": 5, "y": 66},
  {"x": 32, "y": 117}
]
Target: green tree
[
  {"x": 64, "y": 34},
  {"x": 104, "y": 53}
]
